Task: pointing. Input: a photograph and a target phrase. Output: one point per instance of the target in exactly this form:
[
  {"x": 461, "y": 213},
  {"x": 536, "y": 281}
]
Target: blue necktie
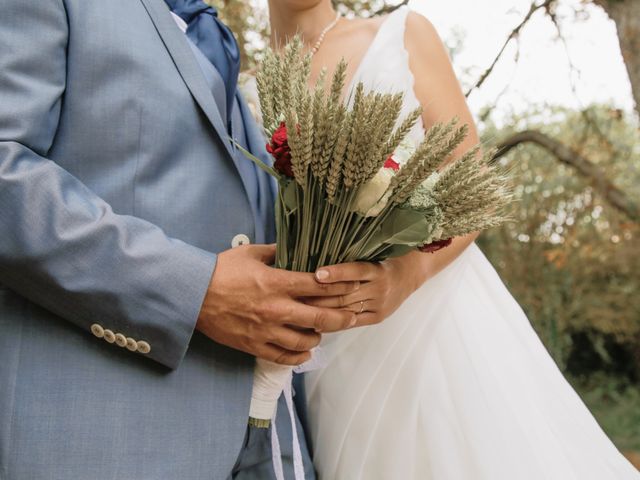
[{"x": 214, "y": 39}]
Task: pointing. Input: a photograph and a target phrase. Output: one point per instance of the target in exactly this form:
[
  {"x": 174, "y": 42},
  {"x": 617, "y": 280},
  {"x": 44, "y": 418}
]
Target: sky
[{"x": 543, "y": 74}]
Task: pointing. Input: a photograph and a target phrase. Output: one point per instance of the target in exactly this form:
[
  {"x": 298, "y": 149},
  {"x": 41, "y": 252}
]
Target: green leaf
[
  {"x": 396, "y": 251},
  {"x": 289, "y": 192},
  {"x": 266, "y": 168},
  {"x": 405, "y": 227}
]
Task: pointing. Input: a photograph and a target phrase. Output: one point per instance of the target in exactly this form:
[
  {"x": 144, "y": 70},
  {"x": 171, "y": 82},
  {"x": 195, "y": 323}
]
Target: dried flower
[
  {"x": 374, "y": 195},
  {"x": 435, "y": 246},
  {"x": 392, "y": 164},
  {"x": 279, "y": 149}
]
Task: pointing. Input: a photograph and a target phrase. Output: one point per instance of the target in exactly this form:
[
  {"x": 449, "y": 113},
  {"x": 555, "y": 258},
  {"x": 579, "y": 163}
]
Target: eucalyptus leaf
[
  {"x": 405, "y": 227},
  {"x": 396, "y": 251},
  {"x": 289, "y": 190},
  {"x": 401, "y": 227}
]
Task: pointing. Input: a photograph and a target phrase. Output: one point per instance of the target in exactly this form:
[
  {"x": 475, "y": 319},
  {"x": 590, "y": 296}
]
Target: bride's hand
[{"x": 383, "y": 286}]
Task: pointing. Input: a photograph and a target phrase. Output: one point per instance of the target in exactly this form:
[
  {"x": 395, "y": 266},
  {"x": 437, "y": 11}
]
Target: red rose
[
  {"x": 279, "y": 149},
  {"x": 435, "y": 246},
  {"x": 392, "y": 164}
]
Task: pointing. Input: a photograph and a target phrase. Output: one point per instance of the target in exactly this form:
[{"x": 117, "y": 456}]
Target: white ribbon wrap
[{"x": 270, "y": 380}]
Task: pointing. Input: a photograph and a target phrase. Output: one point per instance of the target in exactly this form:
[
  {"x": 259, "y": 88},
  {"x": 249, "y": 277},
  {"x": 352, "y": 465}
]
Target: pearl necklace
[{"x": 324, "y": 32}]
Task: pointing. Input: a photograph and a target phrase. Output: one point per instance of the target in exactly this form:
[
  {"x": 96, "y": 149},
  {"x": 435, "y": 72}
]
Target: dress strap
[
  {"x": 386, "y": 68},
  {"x": 383, "y": 47},
  {"x": 392, "y": 31}
]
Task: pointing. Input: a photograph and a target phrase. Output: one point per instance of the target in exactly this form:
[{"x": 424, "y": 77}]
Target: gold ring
[{"x": 361, "y": 307}]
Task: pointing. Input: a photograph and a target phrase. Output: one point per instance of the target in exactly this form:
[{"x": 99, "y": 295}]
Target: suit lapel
[
  {"x": 187, "y": 65},
  {"x": 256, "y": 142},
  {"x": 263, "y": 199}
]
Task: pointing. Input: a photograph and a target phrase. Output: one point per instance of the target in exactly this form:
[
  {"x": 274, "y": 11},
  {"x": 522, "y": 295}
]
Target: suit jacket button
[
  {"x": 132, "y": 345},
  {"x": 97, "y": 330},
  {"x": 121, "y": 340},
  {"x": 240, "y": 239},
  {"x": 109, "y": 336},
  {"x": 144, "y": 347}
]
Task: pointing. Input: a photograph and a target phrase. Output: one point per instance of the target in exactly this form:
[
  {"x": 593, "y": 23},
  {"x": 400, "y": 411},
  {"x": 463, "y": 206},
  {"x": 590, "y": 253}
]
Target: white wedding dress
[{"x": 456, "y": 384}]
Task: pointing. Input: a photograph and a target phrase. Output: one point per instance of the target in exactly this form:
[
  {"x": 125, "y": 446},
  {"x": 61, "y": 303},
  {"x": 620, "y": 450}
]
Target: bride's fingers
[
  {"x": 366, "y": 319},
  {"x": 339, "y": 301},
  {"x": 353, "y": 303},
  {"x": 348, "y": 272},
  {"x": 367, "y": 291},
  {"x": 361, "y": 307}
]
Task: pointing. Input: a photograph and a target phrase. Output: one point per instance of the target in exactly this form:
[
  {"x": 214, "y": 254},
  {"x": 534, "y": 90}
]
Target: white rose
[
  {"x": 404, "y": 151},
  {"x": 431, "y": 181},
  {"x": 372, "y": 198}
]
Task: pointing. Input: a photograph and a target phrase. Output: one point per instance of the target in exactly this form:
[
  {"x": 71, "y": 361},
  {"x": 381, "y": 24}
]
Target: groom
[{"x": 128, "y": 324}]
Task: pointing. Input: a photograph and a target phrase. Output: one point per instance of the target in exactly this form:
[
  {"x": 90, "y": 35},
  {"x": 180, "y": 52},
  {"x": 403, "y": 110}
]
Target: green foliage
[
  {"x": 248, "y": 20},
  {"x": 570, "y": 259},
  {"x": 616, "y": 405},
  {"x": 364, "y": 8}
]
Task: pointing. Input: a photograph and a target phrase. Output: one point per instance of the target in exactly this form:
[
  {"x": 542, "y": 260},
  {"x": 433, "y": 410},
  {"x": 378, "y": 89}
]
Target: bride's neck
[{"x": 306, "y": 22}]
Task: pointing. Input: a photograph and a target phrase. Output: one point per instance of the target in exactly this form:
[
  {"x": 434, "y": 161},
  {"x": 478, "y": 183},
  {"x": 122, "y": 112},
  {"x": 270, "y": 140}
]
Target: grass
[{"x": 616, "y": 405}]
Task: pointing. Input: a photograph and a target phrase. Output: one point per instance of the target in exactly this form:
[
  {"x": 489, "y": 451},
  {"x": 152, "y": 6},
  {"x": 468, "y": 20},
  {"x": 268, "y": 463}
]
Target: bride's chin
[{"x": 299, "y": 5}]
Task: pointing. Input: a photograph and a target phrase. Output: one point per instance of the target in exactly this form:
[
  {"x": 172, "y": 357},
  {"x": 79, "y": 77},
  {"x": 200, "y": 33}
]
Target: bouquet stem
[{"x": 269, "y": 380}]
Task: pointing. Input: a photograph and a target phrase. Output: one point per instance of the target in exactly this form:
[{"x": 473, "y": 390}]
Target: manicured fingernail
[
  {"x": 353, "y": 321},
  {"x": 322, "y": 274}
]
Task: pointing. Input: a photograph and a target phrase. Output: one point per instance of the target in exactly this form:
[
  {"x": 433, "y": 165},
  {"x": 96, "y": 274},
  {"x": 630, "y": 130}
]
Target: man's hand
[
  {"x": 383, "y": 286},
  {"x": 255, "y": 308}
]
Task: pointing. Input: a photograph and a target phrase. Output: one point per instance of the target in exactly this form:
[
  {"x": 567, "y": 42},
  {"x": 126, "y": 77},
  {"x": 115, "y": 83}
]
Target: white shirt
[{"x": 182, "y": 25}]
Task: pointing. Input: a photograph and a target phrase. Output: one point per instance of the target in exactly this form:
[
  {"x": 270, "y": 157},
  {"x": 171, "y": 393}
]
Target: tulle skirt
[{"x": 455, "y": 385}]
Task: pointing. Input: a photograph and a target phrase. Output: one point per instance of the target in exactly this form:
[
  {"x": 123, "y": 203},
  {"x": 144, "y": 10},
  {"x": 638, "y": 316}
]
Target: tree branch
[
  {"x": 514, "y": 34},
  {"x": 626, "y": 16},
  {"x": 390, "y": 8},
  {"x": 582, "y": 165}
]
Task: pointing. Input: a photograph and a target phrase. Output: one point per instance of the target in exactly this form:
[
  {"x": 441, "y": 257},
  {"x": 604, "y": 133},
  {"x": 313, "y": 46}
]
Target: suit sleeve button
[
  {"x": 97, "y": 330},
  {"x": 144, "y": 347},
  {"x": 109, "y": 336},
  {"x": 132, "y": 345},
  {"x": 121, "y": 340}
]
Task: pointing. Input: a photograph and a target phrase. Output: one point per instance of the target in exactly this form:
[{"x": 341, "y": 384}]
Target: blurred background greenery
[{"x": 571, "y": 258}]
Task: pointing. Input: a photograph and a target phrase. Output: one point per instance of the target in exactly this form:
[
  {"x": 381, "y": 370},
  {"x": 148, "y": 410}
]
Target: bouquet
[{"x": 353, "y": 188}]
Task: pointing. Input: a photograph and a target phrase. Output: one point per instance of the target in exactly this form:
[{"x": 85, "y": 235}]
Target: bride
[{"x": 454, "y": 384}]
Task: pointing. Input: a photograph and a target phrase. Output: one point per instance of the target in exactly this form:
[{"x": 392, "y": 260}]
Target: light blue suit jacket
[{"x": 118, "y": 186}]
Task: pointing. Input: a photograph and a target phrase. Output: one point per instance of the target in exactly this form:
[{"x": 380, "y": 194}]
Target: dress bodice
[{"x": 385, "y": 68}]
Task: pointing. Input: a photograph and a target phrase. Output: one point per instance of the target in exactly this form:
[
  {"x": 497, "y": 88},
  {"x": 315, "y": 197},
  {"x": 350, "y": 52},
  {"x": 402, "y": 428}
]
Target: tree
[
  {"x": 368, "y": 8},
  {"x": 569, "y": 257},
  {"x": 628, "y": 28},
  {"x": 249, "y": 22},
  {"x": 626, "y": 15},
  {"x": 583, "y": 166}
]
